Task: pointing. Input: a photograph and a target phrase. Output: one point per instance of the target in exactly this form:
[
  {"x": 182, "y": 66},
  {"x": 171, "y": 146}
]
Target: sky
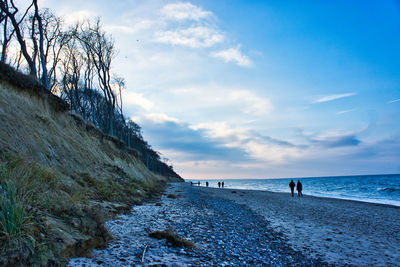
[{"x": 259, "y": 89}]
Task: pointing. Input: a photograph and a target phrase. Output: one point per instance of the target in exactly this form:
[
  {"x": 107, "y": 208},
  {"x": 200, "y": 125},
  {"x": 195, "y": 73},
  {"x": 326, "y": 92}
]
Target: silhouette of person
[
  {"x": 299, "y": 187},
  {"x": 219, "y": 184},
  {"x": 292, "y": 185},
  {"x": 207, "y": 184},
  {"x": 222, "y": 184}
]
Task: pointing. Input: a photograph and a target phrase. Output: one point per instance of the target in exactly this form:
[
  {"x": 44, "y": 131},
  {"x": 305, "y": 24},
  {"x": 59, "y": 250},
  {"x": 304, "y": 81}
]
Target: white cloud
[
  {"x": 249, "y": 141},
  {"x": 239, "y": 101},
  {"x": 233, "y": 55},
  {"x": 344, "y": 111},
  {"x": 394, "y": 101},
  {"x": 333, "y": 97},
  {"x": 194, "y": 37},
  {"x": 160, "y": 118},
  {"x": 136, "y": 27},
  {"x": 254, "y": 104},
  {"x": 223, "y": 130},
  {"x": 132, "y": 98},
  {"x": 73, "y": 17},
  {"x": 184, "y": 11}
]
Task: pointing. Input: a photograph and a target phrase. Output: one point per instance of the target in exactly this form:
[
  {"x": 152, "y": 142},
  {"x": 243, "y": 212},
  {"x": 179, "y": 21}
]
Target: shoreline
[
  {"x": 387, "y": 202},
  {"x": 340, "y": 231},
  {"x": 324, "y": 197}
]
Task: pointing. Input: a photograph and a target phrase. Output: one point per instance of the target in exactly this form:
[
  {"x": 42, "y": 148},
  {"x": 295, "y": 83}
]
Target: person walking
[
  {"x": 222, "y": 184},
  {"x": 299, "y": 188},
  {"x": 207, "y": 184},
  {"x": 219, "y": 184},
  {"x": 292, "y": 185}
]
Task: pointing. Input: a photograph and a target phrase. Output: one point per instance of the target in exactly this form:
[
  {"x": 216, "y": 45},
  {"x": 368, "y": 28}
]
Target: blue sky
[{"x": 259, "y": 89}]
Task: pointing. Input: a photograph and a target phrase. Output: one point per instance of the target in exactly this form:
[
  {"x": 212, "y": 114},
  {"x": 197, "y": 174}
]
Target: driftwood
[{"x": 173, "y": 238}]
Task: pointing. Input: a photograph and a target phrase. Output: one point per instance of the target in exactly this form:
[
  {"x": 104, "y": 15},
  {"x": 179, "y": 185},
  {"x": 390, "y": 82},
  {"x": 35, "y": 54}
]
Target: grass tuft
[{"x": 14, "y": 216}]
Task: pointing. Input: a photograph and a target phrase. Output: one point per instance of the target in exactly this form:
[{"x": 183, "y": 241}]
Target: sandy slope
[{"x": 339, "y": 231}]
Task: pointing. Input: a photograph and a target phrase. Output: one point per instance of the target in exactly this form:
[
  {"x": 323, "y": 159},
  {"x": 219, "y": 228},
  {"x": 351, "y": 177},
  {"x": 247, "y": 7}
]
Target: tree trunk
[
  {"x": 45, "y": 77},
  {"x": 20, "y": 39}
]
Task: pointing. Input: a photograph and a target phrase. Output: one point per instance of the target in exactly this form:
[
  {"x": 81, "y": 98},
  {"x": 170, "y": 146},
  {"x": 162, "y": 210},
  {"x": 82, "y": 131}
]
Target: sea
[{"x": 383, "y": 189}]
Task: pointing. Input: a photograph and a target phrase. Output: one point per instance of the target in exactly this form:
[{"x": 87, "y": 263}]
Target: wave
[{"x": 389, "y": 189}]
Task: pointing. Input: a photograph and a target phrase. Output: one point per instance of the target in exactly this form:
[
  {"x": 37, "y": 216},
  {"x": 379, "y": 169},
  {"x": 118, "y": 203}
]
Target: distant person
[
  {"x": 222, "y": 184},
  {"x": 292, "y": 185},
  {"x": 207, "y": 184},
  {"x": 219, "y": 184},
  {"x": 191, "y": 183},
  {"x": 299, "y": 187}
]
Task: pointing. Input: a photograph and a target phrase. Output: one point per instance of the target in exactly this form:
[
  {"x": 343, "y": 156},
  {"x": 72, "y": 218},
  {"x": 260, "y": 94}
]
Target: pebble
[{"x": 225, "y": 234}]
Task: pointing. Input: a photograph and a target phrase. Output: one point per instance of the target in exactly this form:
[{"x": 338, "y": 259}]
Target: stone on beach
[{"x": 250, "y": 228}]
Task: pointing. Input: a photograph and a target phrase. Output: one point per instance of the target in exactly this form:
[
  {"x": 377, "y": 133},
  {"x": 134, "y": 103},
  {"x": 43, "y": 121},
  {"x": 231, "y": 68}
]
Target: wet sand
[{"x": 341, "y": 232}]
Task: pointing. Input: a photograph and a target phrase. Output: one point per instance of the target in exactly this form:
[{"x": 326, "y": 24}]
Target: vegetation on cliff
[
  {"x": 69, "y": 159},
  {"x": 45, "y": 219},
  {"x": 75, "y": 63}
]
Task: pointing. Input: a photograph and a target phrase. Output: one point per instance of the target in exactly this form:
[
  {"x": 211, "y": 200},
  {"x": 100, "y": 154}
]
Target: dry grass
[
  {"x": 30, "y": 192},
  {"x": 57, "y": 169},
  {"x": 31, "y": 85}
]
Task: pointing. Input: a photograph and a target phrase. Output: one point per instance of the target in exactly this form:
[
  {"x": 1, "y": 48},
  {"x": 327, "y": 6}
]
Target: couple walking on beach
[{"x": 299, "y": 188}]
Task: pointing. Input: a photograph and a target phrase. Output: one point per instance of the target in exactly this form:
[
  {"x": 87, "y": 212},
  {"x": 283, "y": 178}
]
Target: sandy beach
[
  {"x": 231, "y": 227},
  {"x": 338, "y": 231}
]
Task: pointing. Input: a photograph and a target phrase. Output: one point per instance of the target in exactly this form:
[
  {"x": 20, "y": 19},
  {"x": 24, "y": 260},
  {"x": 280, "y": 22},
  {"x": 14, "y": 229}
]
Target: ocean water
[{"x": 384, "y": 189}]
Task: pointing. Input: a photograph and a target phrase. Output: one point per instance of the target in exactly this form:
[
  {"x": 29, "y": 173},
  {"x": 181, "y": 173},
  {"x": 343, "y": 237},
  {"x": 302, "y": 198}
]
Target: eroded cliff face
[
  {"x": 30, "y": 126},
  {"x": 76, "y": 176}
]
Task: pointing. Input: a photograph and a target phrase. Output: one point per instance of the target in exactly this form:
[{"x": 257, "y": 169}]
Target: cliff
[{"x": 63, "y": 176}]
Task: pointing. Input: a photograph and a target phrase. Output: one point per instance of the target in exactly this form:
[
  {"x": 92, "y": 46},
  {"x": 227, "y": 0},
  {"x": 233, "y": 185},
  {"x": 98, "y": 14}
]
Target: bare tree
[
  {"x": 54, "y": 40},
  {"x": 10, "y": 11},
  {"x": 119, "y": 82},
  {"x": 7, "y": 34},
  {"x": 100, "y": 50}
]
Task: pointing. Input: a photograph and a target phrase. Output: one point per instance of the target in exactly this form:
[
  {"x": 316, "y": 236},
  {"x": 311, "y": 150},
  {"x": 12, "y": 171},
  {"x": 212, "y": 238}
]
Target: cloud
[
  {"x": 134, "y": 28},
  {"x": 277, "y": 141},
  {"x": 336, "y": 139},
  {"x": 344, "y": 111},
  {"x": 218, "y": 99},
  {"x": 340, "y": 141},
  {"x": 233, "y": 55},
  {"x": 73, "y": 17},
  {"x": 258, "y": 147},
  {"x": 132, "y": 98},
  {"x": 194, "y": 37},
  {"x": 394, "y": 101},
  {"x": 254, "y": 104},
  {"x": 192, "y": 144},
  {"x": 333, "y": 97},
  {"x": 184, "y": 11},
  {"x": 160, "y": 118}
]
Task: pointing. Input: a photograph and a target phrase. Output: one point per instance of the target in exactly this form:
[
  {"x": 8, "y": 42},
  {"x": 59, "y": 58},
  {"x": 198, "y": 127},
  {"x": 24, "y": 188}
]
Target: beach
[
  {"x": 338, "y": 231},
  {"x": 244, "y": 227}
]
